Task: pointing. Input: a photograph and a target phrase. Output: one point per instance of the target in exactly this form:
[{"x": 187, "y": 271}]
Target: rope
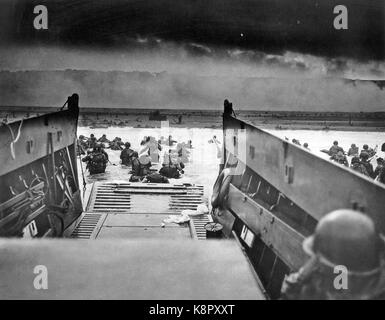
[
  {"x": 63, "y": 105},
  {"x": 81, "y": 166},
  {"x": 14, "y": 140}
]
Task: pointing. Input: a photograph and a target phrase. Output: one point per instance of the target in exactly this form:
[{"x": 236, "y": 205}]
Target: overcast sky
[
  {"x": 270, "y": 26},
  {"x": 226, "y": 39}
]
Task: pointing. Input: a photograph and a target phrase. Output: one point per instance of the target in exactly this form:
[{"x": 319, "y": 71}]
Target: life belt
[{"x": 221, "y": 188}]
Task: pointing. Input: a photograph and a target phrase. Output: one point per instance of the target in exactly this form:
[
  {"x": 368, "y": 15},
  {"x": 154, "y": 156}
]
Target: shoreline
[
  {"x": 262, "y": 126},
  {"x": 211, "y": 119}
]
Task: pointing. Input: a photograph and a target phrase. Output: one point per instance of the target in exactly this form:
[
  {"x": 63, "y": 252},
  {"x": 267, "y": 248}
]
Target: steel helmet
[
  {"x": 365, "y": 146},
  {"x": 355, "y": 160},
  {"x": 346, "y": 237}
]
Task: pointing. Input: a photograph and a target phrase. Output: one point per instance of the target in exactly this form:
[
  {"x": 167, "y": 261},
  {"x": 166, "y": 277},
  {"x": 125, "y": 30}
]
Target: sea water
[{"x": 203, "y": 165}]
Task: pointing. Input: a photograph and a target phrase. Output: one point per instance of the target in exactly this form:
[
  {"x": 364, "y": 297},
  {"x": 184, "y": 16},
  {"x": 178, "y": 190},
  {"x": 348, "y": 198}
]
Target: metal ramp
[
  {"x": 126, "y": 197},
  {"x": 125, "y": 210}
]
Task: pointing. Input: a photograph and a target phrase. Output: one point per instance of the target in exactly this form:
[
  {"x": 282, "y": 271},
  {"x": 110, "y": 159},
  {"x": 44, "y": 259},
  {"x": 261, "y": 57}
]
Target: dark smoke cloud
[
  {"x": 262, "y": 54},
  {"x": 269, "y": 26},
  {"x": 155, "y": 55},
  {"x": 163, "y": 90}
]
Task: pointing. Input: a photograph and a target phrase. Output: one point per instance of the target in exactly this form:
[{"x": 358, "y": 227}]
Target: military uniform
[
  {"x": 353, "y": 151},
  {"x": 116, "y": 144},
  {"x": 356, "y": 165},
  {"x": 343, "y": 238},
  {"x": 335, "y": 149},
  {"x": 92, "y": 143},
  {"x": 380, "y": 166},
  {"x": 318, "y": 285},
  {"x": 381, "y": 175},
  {"x": 340, "y": 158},
  {"x": 366, "y": 163},
  {"x": 370, "y": 151},
  {"x": 96, "y": 161},
  {"x": 126, "y": 156},
  {"x": 103, "y": 139}
]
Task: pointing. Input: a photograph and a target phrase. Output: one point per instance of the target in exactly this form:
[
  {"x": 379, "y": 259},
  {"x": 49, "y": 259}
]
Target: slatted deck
[{"x": 121, "y": 209}]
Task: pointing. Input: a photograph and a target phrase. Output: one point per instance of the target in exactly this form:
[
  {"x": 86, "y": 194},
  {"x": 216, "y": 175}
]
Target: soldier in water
[
  {"x": 103, "y": 139},
  {"x": 334, "y": 149},
  {"x": 356, "y": 165},
  {"x": 353, "y": 151},
  {"x": 126, "y": 154},
  {"x": 346, "y": 241},
  {"x": 365, "y": 161},
  {"x": 370, "y": 151},
  {"x": 96, "y": 160},
  {"x": 340, "y": 158},
  {"x": 379, "y": 167}
]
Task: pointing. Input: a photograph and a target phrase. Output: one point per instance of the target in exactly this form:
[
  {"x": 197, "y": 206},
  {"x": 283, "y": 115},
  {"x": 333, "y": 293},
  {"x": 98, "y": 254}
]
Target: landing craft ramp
[
  {"x": 278, "y": 191},
  {"x": 127, "y": 269},
  {"x": 125, "y": 210},
  {"x": 134, "y": 255}
]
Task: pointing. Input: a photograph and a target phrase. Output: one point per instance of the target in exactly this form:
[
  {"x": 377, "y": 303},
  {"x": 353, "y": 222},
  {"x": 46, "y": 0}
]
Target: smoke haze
[{"x": 263, "y": 55}]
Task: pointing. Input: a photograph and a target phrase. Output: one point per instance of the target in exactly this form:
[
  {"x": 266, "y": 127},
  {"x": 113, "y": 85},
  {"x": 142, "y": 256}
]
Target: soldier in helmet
[
  {"x": 103, "y": 139},
  {"x": 116, "y": 144},
  {"x": 340, "y": 158},
  {"x": 346, "y": 241},
  {"x": 96, "y": 160},
  {"x": 370, "y": 151},
  {"x": 81, "y": 145},
  {"x": 356, "y": 165},
  {"x": 126, "y": 154},
  {"x": 353, "y": 151},
  {"x": 366, "y": 163},
  {"x": 334, "y": 149}
]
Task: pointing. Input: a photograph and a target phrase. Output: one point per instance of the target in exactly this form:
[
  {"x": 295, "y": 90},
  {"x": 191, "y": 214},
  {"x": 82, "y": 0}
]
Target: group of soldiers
[
  {"x": 360, "y": 161},
  {"x": 94, "y": 149},
  {"x": 173, "y": 161},
  {"x": 86, "y": 143},
  {"x": 140, "y": 161}
]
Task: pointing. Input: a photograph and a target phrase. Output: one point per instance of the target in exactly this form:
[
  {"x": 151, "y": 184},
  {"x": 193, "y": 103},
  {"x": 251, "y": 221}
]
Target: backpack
[
  {"x": 169, "y": 172},
  {"x": 156, "y": 178},
  {"x": 98, "y": 161}
]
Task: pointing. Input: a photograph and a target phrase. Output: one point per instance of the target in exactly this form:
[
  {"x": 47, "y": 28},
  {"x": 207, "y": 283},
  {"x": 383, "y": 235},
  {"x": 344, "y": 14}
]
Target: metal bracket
[
  {"x": 289, "y": 173},
  {"x": 30, "y": 146}
]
